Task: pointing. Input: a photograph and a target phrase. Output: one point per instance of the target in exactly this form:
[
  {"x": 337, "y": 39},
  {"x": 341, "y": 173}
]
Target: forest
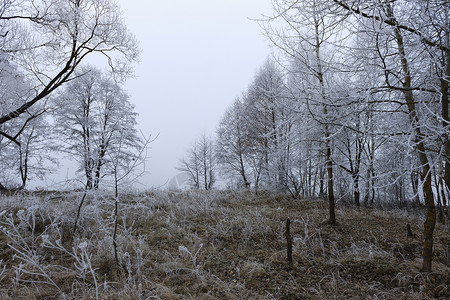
[{"x": 342, "y": 135}]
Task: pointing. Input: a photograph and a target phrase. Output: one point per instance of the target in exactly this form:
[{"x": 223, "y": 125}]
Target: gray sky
[{"x": 197, "y": 56}]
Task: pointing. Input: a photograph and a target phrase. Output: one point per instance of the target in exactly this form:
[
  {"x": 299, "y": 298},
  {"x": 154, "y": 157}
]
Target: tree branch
[{"x": 394, "y": 23}]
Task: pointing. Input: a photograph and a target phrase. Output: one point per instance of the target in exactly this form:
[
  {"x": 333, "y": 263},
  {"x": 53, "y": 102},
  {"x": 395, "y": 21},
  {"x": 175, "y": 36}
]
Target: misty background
[{"x": 197, "y": 56}]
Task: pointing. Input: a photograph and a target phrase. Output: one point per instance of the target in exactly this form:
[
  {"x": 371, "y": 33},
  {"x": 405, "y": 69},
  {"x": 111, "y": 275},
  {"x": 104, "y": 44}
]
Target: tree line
[{"x": 352, "y": 106}]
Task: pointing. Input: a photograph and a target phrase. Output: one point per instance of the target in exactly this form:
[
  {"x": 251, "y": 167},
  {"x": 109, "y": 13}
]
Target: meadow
[{"x": 212, "y": 245}]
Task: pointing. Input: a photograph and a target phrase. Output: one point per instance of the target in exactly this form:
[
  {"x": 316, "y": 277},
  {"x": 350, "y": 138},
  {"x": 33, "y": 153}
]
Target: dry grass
[{"x": 219, "y": 245}]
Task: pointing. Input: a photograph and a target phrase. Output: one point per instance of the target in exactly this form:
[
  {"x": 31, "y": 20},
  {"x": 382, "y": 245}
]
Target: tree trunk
[
  {"x": 78, "y": 213},
  {"x": 444, "y": 84},
  {"x": 356, "y": 189},
  {"x": 88, "y": 172},
  {"x": 328, "y": 161},
  {"x": 244, "y": 177},
  {"x": 430, "y": 221},
  {"x": 437, "y": 186},
  {"x": 116, "y": 214},
  {"x": 445, "y": 118},
  {"x": 23, "y": 168},
  {"x": 415, "y": 188},
  {"x": 332, "y": 220}
]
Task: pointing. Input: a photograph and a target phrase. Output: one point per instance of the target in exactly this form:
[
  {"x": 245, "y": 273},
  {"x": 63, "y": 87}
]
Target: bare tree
[
  {"x": 48, "y": 39},
  {"x": 265, "y": 117},
  {"x": 32, "y": 158},
  {"x": 200, "y": 164},
  {"x": 93, "y": 113},
  {"x": 233, "y": 143},
  {"x": 127, "y": 165},
  {"x": 191, "y": 165},
  {"x": 24, "y": 142},
  {"x": 409, "y": 37},
  {"x": 306, "y": 32}
]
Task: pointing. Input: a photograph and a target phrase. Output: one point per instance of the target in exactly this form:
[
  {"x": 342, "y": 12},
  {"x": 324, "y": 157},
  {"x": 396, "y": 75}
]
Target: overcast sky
[{"x": 197, "y": 56}]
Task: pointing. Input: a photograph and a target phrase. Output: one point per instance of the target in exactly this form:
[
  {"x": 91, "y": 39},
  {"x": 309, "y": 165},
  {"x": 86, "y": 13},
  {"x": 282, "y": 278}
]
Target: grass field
[{"x": 212, "y": 245}]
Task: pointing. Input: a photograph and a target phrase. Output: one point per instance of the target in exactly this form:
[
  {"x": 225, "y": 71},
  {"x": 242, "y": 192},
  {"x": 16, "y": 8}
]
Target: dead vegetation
[{"x": 213, "y": 245}]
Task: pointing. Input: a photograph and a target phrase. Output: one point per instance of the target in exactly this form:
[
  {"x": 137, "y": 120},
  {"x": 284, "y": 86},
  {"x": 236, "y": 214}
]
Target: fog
[{"x": 197, "y": 56}]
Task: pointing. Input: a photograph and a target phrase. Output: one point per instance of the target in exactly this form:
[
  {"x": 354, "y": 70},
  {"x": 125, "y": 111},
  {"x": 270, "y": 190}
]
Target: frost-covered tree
[
  {"x": 200, "y": 164},
  {"x": 233, "y": 144},
  {"x": 264, "y": 120},
  {"x": 25, "y": 141},
  {"x": 32, "y": 158},
  {"x": 93, "y": 117},
  {"x": 374, "y": 75},
  {"x": 410, "y": 40},
  {"x": 46, "y": 40},
  {"x": 307, "y": 33}
]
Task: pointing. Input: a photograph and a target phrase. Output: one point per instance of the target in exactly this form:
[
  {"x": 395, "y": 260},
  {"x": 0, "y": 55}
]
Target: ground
[{"x": 214, "y": 245}]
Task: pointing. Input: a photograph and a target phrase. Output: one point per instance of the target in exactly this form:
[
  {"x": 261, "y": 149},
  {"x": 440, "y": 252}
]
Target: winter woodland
[{"x": 352, "y": 107}]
